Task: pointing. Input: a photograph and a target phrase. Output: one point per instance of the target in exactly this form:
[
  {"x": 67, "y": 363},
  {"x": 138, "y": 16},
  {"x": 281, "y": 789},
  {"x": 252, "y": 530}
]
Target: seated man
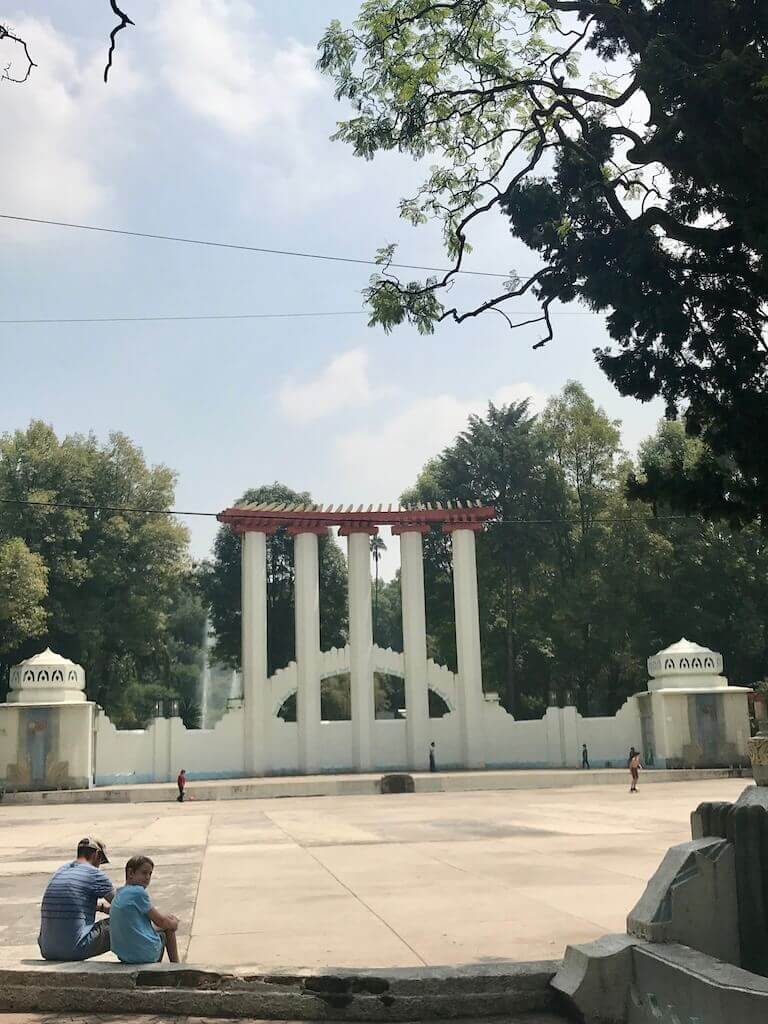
[
  {"x": 68, "y": 928},
  {"x": 140, "y": 932}
]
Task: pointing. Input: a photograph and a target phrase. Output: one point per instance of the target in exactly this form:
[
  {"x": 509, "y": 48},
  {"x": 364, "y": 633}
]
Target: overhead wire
[
  {"x": 172, "y": 318},
  {"x": 156, "y": 236},
  {"x": 245, "y": 513}
]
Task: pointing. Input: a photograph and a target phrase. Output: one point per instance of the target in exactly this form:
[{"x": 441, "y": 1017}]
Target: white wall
[{"x": 46, "y": 746}]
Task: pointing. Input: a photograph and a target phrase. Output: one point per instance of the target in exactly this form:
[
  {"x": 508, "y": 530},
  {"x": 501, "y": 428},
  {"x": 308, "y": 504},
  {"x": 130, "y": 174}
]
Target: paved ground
[{"x": 374, "y": 881}]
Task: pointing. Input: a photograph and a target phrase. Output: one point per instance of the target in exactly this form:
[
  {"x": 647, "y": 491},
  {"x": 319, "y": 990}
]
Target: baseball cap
[{"x": 90, "y": 843}]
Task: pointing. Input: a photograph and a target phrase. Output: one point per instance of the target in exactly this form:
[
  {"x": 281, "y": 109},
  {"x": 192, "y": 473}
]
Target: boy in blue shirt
[{"x": 140, "y": 932}]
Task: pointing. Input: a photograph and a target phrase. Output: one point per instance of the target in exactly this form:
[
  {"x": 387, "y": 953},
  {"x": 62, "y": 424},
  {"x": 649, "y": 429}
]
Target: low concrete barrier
[
  {"x": 387, "y": 995},
  {"x": 365, "y": 784}
]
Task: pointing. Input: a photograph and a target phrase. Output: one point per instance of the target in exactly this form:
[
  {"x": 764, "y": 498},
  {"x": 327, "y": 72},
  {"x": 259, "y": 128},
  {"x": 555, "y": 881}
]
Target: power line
[
  {"x": 173, "y": 318},
  {"x": 241, "y": 248},
  {"x": 60, "y": 321},
  {"x": 245, "y": 514}
]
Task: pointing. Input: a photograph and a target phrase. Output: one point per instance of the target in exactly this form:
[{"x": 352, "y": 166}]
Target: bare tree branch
[
  {"x": 125, "y": 21},
  {"x": 6, "y": 34}
]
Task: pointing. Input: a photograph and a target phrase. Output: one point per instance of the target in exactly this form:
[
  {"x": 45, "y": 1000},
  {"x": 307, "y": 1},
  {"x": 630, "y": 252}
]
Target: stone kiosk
[
  {"x": 690, "y": 717},
  {"x": 46, "y": 726}
]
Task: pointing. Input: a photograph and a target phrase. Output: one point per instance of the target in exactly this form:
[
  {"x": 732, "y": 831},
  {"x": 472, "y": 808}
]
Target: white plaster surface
[{"x": 369, "y": 881}]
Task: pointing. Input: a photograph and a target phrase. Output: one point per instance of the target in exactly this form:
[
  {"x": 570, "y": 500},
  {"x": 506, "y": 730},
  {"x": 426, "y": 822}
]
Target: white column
[
  {"x": 470, "y": 695},
  {"x": 254, "y": 635},
  {"x": 361, "y": 649},
  {"x": 307, "y": 601},
  {"x": 414, "y": 648}
]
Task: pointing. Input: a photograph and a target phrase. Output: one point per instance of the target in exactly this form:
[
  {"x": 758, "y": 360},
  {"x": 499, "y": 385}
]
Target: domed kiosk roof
[
  {"x": 47, "y": 678},
  {"x": 686, "y": 664}
]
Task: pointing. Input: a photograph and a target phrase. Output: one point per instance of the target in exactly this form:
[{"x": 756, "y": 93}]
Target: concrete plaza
[{"x": 367, "y": 881}]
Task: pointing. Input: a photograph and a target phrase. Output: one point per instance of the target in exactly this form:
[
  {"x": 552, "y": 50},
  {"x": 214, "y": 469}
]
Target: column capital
[
  {"x": 317, "y": 529},
  {"x": 470, "y": 525},
  {"x": 267, "y": 528},
  {"x": 411, "y": 528},
  {"x": 349, "y": 528}
]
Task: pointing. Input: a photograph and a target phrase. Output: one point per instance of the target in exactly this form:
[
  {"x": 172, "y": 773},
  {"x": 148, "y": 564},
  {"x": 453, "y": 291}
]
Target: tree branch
[
  {"x": 125, "y": 21},
  {"x": 5, "y": 34}
]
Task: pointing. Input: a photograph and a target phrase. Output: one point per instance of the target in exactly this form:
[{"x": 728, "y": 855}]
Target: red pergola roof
[{"x": 268, "y": 517}]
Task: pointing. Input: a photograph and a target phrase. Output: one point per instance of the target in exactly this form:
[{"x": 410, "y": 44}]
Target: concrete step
[{"x": 432, "y": 993}]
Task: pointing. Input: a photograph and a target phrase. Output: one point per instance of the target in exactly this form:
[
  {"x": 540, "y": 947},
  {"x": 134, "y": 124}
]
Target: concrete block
[
  {"x": 595, "y": 979},
  {"x": 397, "y": 782},
  {"x": 677, "y": 984},
  {"x": 692, "y": 899}
]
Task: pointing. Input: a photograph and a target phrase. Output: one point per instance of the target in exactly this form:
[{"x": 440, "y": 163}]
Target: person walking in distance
[
  {"x": 584, "y": 756},
  {"x": 634, "y": 769},
  {"x": 181, "y": 782},
  {"x": 432, "y": 765}
]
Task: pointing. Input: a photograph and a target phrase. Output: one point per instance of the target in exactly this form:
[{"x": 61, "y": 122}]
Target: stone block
[
  {"x": 692, "y": 899},
  {"x": 397, "y": 782},
  {"x": 676, "y": 984},
  {"x": 595, "y": 979}
]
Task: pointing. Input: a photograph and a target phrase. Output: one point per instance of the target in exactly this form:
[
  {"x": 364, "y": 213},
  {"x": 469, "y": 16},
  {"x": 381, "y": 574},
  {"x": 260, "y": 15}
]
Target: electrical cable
[
  {"x": 213, "y": 515},
  {"x": 242, "y": 248},
  {"x": 62, "y": 321}
]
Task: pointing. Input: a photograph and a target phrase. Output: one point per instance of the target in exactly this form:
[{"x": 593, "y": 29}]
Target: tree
[
  {"x": 579, "y": 582},
  {"x": 112, "y": 573},
  {"x": 377, "y": 547},
  {"x": 23, "y": 588},
  {"x": 500, "y": 460},
  {"x": 220, "y": 582},
  {"x": 526, "y": 108}
]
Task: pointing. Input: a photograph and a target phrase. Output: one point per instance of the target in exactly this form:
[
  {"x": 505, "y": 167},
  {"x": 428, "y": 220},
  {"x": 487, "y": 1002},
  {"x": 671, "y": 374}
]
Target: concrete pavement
[{"x": 367, "y": 881}]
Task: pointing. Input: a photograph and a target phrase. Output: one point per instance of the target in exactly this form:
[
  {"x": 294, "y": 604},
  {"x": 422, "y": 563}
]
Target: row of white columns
[{"x": 258, "y": 711}]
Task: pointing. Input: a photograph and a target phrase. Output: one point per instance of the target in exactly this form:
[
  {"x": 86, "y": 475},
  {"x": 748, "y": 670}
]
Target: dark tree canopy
[
  {"x": 220, "y": 580},
  {"x": 80, "y": 572},
  {"x": 624, "y": 142},
  {"x": 577, "y": 583}
]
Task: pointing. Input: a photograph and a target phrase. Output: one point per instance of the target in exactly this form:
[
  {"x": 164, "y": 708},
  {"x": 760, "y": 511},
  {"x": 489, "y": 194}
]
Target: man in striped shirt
[{"x": 68, "y": 927}]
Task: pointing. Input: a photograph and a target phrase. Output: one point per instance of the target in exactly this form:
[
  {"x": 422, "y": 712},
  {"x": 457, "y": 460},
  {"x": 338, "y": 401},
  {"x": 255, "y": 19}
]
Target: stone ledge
[
  {"x": 272, "y": 786},
  {"x": 387, "y": 995}
]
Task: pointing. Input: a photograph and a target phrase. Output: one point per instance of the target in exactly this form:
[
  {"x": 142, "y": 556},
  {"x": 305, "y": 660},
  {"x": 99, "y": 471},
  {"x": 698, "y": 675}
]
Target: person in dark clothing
[
  {"x": 181, "y": 782},
  {"x": 432, "y": 765},
  {"x": 584, "y": 756}
]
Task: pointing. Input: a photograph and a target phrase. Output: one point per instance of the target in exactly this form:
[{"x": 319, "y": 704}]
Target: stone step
[{"x": 432, "y": 994}]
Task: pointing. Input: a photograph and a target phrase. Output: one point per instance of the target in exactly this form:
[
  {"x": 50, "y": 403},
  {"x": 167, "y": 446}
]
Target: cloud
[
  {"x": 223, "y": 68},
  {"x": 57, "y": 125},
  {"x": 343, "y": 384},
  {"x": 385, "y": 461},
  {"x": 263, "y": 96}
]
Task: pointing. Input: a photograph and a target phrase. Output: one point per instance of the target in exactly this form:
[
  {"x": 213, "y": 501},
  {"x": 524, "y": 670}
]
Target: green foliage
[
  {"x": 220, "y": 582},
  {"x": 661, "y": 221},
  {"x": 579, "y": 581},
  {"x": 23, "y": 589},
  {"x": 112, "y": 576}
]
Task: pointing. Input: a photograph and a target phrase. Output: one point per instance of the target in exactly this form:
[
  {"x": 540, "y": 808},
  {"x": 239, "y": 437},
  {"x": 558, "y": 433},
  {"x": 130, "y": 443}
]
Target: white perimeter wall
[{"x": 157, "y": 753}]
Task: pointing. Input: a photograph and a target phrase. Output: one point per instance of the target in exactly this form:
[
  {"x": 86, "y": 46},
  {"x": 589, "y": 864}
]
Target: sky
[{"x": 216, "y": 125}]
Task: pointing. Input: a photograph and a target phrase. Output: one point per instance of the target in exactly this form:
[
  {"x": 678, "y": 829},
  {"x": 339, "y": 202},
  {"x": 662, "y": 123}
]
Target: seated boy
[{"x": 140, "y": 932}]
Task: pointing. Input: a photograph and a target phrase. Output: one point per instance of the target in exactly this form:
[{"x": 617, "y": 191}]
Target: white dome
[
  {"x": 47, "y": 678},
  {"x": 686, "y": 665}
]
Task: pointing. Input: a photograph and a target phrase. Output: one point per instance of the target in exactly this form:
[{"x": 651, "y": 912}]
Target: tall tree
[
  {"x": 111, "y": 573},
  {"x": 526, "y": 111},
  {"x": 578, "y": 581},
  {"x": 220, "y": 581},
  {"x": 377, "y": 548},
  {"x": 499, "y": 459}
]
